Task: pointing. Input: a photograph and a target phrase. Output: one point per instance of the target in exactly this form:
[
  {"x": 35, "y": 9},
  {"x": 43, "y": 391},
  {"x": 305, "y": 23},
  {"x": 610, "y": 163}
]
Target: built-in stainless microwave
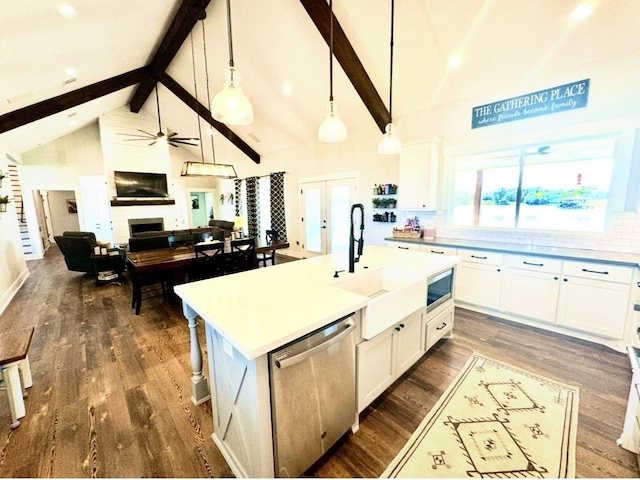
[{"x": 439, "y": 289}]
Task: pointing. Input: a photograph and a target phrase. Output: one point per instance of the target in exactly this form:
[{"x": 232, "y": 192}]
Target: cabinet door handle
[
  {"x": 534, "y": 264},
  {"x": 595, "y": 271},
  {"x": 403, "y": 248},
  {"x": 398, "y": 329},
  {"x": 444, "y": 324},
  {"x": 436, "y": 251},
  {"x": 478, "y": 257}
]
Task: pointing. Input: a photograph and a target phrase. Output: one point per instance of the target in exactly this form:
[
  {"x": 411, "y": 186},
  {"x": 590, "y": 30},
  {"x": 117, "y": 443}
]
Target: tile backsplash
[{"x": 623, "y": 234}]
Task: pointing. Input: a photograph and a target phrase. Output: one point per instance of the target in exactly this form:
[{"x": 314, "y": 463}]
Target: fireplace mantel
[{"x": 149, "y": 201}]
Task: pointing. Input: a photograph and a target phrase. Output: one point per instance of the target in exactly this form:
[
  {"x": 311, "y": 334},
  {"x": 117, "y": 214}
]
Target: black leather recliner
[{"x": 77, "y": 247}]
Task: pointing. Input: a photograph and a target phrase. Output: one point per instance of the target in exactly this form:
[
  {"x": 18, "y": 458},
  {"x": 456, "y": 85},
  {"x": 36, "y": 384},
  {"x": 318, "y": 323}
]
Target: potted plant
[{"x": 3, "y": 202}]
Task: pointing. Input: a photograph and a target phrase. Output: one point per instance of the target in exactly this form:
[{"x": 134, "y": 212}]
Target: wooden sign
[{"x": 552, "y": 100}]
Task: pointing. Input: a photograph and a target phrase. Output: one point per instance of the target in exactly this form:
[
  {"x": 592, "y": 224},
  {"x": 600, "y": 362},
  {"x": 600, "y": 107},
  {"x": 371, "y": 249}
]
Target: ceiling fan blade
[
  {"x": 140, "y": 137},
  {"x": 143, "y": 131},
  {"x": 192, "y": 139},
  {"x": 152, "y": 143},
  {"x": 182, "y": 142}
]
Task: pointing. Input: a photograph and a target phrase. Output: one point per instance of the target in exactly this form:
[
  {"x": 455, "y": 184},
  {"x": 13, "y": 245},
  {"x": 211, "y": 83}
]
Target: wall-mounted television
[{"x": 141, "y": 185}]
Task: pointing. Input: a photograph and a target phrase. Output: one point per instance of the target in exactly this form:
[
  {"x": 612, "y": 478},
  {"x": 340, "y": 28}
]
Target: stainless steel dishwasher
[{"x": 313, "y": 395}]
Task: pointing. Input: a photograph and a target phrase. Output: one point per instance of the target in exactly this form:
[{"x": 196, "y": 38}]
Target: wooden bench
[{"x": 14, "y": 346}]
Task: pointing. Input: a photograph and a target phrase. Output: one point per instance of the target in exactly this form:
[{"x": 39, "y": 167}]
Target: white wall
[
  {"x": 61, "y": 219},
  {"x": 13, "y": 267}
]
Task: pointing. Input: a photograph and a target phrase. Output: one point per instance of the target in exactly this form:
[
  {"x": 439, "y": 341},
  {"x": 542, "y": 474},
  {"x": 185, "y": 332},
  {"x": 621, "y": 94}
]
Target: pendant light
[
  {"x": 332, "y": 129},
  {"x": 230, "y": 106},
  {"x": 202, "y": 169},
  {"x": 390, "y": 144}
]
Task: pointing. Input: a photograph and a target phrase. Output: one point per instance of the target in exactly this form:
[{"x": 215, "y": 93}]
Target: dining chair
[
  {"x": 242, "y": 256},
  {"x": 272, "y": 237},
  {"x": 149, "y": 285},
  {"x": 181, "y": 240},
  {"x": 138, "y": 244},
  {"x": 209, "y": 261}
]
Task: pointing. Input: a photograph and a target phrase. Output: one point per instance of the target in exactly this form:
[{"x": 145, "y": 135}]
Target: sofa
[
  {"x": 77, "y": 248},
  {"x": 225, "y": 226}
]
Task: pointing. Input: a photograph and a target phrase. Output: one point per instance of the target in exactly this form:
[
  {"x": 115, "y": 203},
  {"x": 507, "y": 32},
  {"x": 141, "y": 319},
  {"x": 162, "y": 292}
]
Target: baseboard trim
[{"x": 8, "y": 295}]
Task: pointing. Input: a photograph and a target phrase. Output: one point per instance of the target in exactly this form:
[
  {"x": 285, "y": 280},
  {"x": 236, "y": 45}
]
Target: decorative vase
[{"x": 3, "y": 207}]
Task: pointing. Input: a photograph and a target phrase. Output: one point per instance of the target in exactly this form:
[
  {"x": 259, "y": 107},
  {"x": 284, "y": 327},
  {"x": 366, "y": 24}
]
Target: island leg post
[{"x": 199, "y": 386}]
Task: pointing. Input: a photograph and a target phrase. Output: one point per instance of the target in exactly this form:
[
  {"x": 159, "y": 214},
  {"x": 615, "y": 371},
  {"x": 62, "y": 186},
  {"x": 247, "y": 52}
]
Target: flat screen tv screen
[{"x": 142, "y": 185}]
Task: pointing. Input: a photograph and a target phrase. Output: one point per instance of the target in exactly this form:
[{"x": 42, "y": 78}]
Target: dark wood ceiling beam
[
  {"x": 188, "y": 14},
  {"x": 320, "y": 14},
  {"x": 54, "y": 105},
  {"x": 204, "y": 113}
]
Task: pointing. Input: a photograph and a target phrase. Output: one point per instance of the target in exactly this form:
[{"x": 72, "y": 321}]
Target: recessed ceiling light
[
  {"x": 66, "y": 11},
  {"x": 454, "y": 61},
  {"x": 286, "y": 89},
  {"x": 582, "y": 11},
  {"x": 71, "y": 71}
]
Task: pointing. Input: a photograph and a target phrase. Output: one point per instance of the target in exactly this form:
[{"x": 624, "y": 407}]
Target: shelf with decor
[
  {"x": 385, "y": 189},
  {"x": 384, "y": 202},
  {"x": 386, "y": 217}
]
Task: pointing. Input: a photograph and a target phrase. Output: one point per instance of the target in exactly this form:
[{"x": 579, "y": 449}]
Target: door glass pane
[
  {"x": 313, "y": 220},
  {"x": 340, "y": 204},
  {"x": 265, "y": 208}
]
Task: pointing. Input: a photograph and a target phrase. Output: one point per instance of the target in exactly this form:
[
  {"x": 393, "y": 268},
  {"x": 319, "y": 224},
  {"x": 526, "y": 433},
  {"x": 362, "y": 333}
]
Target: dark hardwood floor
[{"x": 111, "y": 392}]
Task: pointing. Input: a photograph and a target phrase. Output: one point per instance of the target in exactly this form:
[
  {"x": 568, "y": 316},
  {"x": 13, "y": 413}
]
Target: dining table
[{"x": 178, "y": 260}]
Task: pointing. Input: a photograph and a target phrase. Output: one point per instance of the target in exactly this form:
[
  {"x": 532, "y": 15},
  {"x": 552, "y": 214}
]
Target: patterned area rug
[{"x": 495, "y": 420}]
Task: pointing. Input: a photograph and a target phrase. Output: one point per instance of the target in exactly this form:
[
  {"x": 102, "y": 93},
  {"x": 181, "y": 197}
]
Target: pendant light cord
[
  {"x": 330, "y": 50},
  {"x": 206, "y": 69},
  {"x": 195, "y": 88},
  {"x": 158, "y": 107},
  {"x": 391, "y": 66},
  {"x": 229, "y": 33}
]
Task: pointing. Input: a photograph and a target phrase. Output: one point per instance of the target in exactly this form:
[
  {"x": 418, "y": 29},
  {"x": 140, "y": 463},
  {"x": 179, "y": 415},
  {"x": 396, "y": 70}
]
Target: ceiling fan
[{"x": 170, "y": 138}]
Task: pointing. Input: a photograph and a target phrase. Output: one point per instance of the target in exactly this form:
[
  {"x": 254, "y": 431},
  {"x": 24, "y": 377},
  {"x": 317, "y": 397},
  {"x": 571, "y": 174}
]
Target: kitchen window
[{"x": 560, "y": 186}]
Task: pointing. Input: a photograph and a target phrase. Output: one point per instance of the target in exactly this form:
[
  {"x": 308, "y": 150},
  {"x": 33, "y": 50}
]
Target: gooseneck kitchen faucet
[{"x": 352, "y": 238}]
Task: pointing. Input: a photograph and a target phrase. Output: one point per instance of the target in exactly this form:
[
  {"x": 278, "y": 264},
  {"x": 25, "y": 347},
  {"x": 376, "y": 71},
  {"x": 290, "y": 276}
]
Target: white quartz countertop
[
  {"x": 260, "y": 310},
  {"x": 619, "y": 258}
]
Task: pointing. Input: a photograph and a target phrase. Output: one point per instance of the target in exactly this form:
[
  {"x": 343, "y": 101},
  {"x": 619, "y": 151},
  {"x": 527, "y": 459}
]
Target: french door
[{"x": 325, "y": 208}]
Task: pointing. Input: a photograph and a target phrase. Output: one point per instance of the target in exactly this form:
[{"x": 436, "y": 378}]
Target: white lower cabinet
[
  {"x": 595, "y": 298},
  {"x": 479, "y": 278},
  {"x": 438, "y": 326},
  {"x": 531, "y": 286},
  {"x": 381, "y": 360}
]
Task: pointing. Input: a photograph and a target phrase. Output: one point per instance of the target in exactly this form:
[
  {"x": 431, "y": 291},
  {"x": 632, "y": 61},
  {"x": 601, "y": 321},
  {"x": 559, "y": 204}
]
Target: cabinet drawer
[
  {"x": 438, "y": 250},
  {"x": 439, "y": 326},
  {"x": 598, "y": 271},
  {"x": 479, "y": 256},
  {"x": 538, "y": 264},
  {"x": 404, "y": 246}
]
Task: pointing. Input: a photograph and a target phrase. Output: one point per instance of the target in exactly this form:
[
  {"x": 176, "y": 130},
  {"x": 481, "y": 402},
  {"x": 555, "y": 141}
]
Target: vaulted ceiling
[{"x": 121, "y": 48}]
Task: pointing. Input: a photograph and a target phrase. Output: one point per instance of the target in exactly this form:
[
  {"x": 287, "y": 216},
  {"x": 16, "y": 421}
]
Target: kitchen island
[{"x": 250, "y": 314}]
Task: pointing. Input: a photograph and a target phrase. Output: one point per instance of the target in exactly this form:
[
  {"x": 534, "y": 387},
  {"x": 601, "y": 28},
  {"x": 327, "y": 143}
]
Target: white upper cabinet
[{"x": 418, "y": 175}]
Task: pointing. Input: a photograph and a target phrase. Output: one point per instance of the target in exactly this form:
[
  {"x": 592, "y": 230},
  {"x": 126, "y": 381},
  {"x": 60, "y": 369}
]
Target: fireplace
[{"x": 137, "y": 225}]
